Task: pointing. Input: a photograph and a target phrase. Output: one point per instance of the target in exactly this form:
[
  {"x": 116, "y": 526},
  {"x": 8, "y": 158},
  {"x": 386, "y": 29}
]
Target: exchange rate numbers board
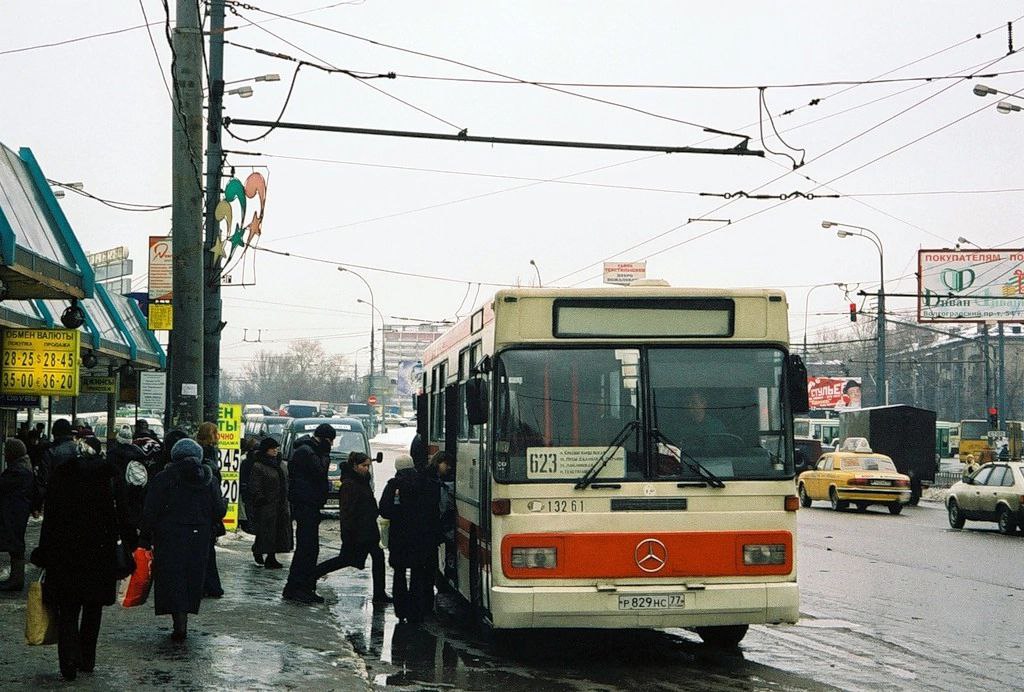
[{"x": 40, "y": 361}]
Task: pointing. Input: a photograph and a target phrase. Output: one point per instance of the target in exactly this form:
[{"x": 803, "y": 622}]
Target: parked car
[
  {"x": 351, "y": 437},
  {"x": 855, "y": 474},
  {"x": 263, "y": 426},
  {"x": 995, "y": 492},
  {"x": 256, "y": 410},
  {"x": 806, "y": 452}
]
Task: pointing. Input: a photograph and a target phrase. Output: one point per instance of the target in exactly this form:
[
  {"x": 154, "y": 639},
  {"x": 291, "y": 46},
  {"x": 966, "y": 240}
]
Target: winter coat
[
  {"x": 63, "y": 449},
  {"x": 16, "y": 489},
  {"x": 245, "y": 479},
  {"x": 181, "y": 507},
  {"x": 211, "y": 457},
  {"x": 307, "y": 473},
  {"x": 268, "y": 506},
  {"x": 411, "y": 501},
  {"x": 129, "y": 496},
  {"x": 358, "y": 509},
  {"x": 78, "y": 538}
]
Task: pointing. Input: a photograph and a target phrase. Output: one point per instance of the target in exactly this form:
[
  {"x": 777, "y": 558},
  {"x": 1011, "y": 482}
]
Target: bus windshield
[
  {"x": 974, "y": 429},
  {"x": 559, "y": 411}
]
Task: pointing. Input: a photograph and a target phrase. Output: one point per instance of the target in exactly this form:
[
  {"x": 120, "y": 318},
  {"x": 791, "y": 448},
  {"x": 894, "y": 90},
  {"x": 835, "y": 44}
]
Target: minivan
[{"x": 351, "y": 437}]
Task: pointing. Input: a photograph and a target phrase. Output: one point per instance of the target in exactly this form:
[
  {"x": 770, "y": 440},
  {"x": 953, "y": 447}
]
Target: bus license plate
[{"x": 659, "y": 601}]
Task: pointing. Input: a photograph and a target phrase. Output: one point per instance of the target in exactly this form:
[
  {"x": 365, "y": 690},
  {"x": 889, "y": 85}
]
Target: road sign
[
  {"x": 372, "y": 400},
  {"x": 40, "y": 361}
]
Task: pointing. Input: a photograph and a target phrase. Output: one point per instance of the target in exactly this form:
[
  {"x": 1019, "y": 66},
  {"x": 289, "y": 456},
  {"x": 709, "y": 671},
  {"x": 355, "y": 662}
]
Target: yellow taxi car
[{"x": 855, "y": 474}]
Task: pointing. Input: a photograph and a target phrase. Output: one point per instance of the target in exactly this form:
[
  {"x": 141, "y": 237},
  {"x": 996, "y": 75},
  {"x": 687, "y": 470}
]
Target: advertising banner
[
  {"x": 833, "y": 392},
  {"x": 970, "y": 285},
  {"x": 161, "y": 285},
  {"x": 229, "y": 439},
  {"x": 410, "y": 373},
  {"x": 40, "y": 361}
]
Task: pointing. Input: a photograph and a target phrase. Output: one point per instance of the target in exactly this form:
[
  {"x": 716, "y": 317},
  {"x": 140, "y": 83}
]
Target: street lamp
[
  {"x": 369, "y": 380},
  {"x": 242, "y": 91},
  {"x": 383, "y": 368},
  {"x": 881, "y": 395},
  {"x": 807, "y": 301},
  {"x": 536, "y": 269},
  {"x": 1003, "y": 106}
]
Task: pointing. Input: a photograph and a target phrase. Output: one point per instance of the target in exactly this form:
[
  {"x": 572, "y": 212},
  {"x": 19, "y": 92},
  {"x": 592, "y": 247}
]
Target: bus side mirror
[
  {"x": 476, "y": 401},
  {"x": 797, "y": 374}
]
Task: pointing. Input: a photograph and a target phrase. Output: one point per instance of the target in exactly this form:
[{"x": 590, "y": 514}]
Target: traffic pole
[{"x": 186, "y": 339}]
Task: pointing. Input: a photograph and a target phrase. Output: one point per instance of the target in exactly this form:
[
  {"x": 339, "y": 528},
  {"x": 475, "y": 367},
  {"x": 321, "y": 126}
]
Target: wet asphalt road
[{"x": 901, "y": 603}]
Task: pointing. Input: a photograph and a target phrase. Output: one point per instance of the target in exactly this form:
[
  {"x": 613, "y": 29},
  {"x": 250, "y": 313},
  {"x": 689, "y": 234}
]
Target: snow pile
[{"x": 396, "y": 436}]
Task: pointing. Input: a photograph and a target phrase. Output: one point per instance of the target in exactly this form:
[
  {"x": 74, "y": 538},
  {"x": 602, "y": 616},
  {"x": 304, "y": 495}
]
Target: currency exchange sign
[
  {"x": 40, "y": 361},
  {"x": 229, "y": 442}
]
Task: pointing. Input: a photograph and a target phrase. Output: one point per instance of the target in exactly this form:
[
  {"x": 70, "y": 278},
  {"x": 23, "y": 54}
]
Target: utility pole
[
  {"x": 212, "y": 306},
  {"x": 186, "y": 339},
  {"x": 1001, "y": 382}
]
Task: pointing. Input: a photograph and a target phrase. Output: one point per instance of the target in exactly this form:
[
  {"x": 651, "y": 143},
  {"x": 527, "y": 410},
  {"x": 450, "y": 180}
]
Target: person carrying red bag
[{"x": 180, "y": 509}]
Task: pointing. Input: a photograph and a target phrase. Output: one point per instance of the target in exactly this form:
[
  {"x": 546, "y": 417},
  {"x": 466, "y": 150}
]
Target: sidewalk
[{"x": 248, "y": 640}]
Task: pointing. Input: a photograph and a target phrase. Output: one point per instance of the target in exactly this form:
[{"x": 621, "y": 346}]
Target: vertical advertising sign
[
  {"x": 229, "y": 443},
  {"x": 161, "y": 284}
]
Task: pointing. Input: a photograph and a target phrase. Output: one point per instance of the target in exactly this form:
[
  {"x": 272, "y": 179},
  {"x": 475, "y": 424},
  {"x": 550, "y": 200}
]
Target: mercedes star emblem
[{"x": 651, "y": 555}]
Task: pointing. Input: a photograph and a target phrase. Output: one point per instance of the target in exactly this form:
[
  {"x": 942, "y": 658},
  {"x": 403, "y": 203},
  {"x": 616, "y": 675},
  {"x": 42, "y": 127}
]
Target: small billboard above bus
[{"x": 831, "y": 393}]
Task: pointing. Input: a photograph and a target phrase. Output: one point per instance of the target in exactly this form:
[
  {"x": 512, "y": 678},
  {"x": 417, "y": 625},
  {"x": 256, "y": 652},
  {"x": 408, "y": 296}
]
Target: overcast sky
[{"x": 97, "y": 111}]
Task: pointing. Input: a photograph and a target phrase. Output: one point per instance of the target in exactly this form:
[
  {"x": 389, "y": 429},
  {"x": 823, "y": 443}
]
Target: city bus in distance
[
  {"x": 624, "y": 458},
  {"x": 947, "y": 438},
  {"x": 973, "y": 438}
]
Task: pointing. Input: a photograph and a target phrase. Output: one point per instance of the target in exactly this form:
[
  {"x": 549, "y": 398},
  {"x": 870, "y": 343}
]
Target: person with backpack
[
  {"x": 17, "y": 485},
  {"x": 411, "y": 501},
  {"x": 130, "y": 480}
]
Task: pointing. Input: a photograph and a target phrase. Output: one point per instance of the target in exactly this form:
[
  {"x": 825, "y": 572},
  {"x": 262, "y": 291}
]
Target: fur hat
[
  {"x": 268, "y": 443},
  {"x": 124, "y": 435},
  {"x": 14, "y": 449},
  {"x": 403, "y": 461},
  {"x": 325, "y": 431},
  {"x": 62, "y": 428},
  {"x": 186, "y": 449}
]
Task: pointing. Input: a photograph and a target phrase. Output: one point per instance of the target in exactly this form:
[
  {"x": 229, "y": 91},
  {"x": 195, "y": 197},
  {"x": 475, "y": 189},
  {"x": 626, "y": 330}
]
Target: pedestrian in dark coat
[
  {"x": 360, "y": 535},
  {"x": 268, "y": 506},
  {"x": 16, "y": 487},
  {"x": 308, "y": 486},
  {"x": 163, "y": 456},
  {"x": 77, "y": 548},
  {"x": 130, "y": 479},
  {"x": 248, "y": 451},
  {"x": 411, "y": 501},
  {"x": 207, "y": 437},
  {"x": 181, "y": 507},
  {"x": 64, "y": 448},
  {"x": 418, "y": 451}
]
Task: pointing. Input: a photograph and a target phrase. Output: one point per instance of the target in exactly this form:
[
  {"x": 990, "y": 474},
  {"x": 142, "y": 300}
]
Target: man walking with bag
[{"x": 307, "y": 492}]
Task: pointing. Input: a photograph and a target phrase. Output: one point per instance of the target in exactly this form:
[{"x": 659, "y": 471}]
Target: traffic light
[
  {"x": 993, "y": 418},
  {"x": 853, "y": 312}
]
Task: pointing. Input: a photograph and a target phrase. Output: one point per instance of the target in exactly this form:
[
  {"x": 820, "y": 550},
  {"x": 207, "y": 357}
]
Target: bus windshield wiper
[
  {"x": 606, "y": 455},
  {"x": 694, "y": 465}
]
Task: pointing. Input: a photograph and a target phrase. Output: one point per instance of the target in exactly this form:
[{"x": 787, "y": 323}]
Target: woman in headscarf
[
  {"x": 181, "y": 507},
  {"x": 268, "y": 503}
]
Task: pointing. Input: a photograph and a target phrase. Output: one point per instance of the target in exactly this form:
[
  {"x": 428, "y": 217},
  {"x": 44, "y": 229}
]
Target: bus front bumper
[{"x": 515, "y": 607}]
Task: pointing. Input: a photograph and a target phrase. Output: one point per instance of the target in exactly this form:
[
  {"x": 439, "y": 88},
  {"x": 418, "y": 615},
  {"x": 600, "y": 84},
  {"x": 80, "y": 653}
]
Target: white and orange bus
[{"x": 624, "y": 457}]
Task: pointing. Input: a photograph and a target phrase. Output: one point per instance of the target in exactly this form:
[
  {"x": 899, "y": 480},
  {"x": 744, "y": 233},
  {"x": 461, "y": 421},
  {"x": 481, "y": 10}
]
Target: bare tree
[{"x": 305, "y": 371}]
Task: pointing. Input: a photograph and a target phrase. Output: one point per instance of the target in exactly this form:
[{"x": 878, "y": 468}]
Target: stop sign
[{"x": 372, "y": 400}]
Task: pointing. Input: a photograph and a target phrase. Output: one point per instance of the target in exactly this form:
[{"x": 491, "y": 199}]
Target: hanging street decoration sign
[
  {"x": 229, "y": 443},
  {"x": 40, "y": 361},
  {"x": 970, "y": 285}
]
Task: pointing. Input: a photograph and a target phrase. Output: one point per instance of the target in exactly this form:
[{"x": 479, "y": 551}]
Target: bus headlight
[
  {"x": 764, "y": 554},
  {"x": 535, "y": 558}
]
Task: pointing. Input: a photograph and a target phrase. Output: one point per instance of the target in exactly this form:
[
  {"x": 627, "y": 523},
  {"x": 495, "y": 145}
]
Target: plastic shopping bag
[
  {"x": 141, "y": 579},
  {"x": 40, "y": 623}
]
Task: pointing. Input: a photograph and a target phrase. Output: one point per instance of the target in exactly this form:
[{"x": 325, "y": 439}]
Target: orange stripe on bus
[{"x": 621, "y": 555}]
